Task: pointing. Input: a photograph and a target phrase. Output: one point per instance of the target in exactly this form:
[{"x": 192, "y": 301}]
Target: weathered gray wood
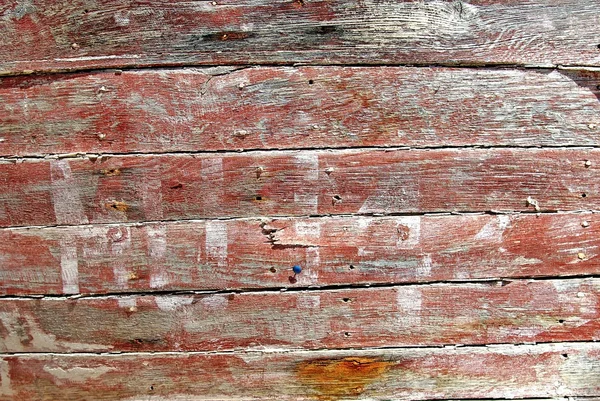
[
  {"x": 259, "y": 253},
  {"x": 438, "y": 314},
  {"x": 557, "y": 370},
  {"x": 265, "y": 108},
  {"x": 49, "y": 35}
]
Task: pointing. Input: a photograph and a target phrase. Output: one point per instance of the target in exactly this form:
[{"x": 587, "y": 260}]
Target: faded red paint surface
[
  {"x": 266, "y": 108},
  {"x": 259, "y": 253}
]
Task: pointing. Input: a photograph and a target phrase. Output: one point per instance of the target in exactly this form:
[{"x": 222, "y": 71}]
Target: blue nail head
[{"x": 297, "y": 269}]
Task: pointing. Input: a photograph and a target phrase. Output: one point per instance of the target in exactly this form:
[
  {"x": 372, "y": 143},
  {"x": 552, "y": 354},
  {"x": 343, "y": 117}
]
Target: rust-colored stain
[
  {"x": 341, "y": 378},
  {"x": 117, "y": 205},
  {"x": 111, "y": 172}
]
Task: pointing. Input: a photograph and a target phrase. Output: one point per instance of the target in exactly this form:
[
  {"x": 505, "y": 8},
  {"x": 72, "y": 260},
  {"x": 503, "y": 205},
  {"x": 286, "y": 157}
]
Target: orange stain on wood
[
  {"x": 340, "y": 378},
  {"x": 117, "y": 205}
]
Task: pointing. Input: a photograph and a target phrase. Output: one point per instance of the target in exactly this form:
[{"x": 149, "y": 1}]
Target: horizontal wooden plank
[
  {"x": 189, "y": 110},
  {"x": 171, "y": 187},
  {"x": 53, "y": 35},
  {"x": 437, "y": 314},
  {"x": 255, "y": 253},
  {"x": 504, "y": 372}
]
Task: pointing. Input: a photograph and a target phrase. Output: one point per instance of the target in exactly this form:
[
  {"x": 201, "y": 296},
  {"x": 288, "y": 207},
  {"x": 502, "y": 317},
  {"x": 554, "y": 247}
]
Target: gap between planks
[
  {"x": 492, "y": 282},
  {"x": 313, "y": 216},
  {"x": 12, "y": 159},
  {"x": 515, "y": 347}
]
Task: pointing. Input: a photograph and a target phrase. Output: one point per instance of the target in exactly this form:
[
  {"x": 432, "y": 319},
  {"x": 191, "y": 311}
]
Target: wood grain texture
[
  {"x": 173, "y": 186},
  {"x": 51, "y": 35},
  {"x": 259, "y": 253},
  {"x": 503, "y": 372},
  {"x": 438, "y": 314},
  {"x": 308, "y": 107}
]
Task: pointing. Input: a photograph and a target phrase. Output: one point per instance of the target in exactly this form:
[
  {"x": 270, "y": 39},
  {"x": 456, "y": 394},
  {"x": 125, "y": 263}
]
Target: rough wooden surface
[
  {"x": 48, "y": 35},
  {"x": 307, "y": 107},
  {"x": 141, "y": 259},
  {"x": 501, "y": 372},
  {"x": 170, "y": 187},
  {"x": 259, "y": 253},
  {"x": 490, "y": 313}
]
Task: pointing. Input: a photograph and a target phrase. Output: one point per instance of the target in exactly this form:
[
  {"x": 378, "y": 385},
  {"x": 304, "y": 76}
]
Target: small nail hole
[
  {"x": 584, "y": 195},
  {"x": 346, "y": 299},
  {"x": 347, "y": 334},
  {"x": 152, "y": 388},
  {"x": 258, "y": 198},
  {"x": 273, "y": 270},
  {"x": 310, "y": 82},
  {"x": 598, "y": 87},
  {"x": 351, "y": 267},
  {"x": 565, "y": 355},
  {"x": 561, "y": 321}
]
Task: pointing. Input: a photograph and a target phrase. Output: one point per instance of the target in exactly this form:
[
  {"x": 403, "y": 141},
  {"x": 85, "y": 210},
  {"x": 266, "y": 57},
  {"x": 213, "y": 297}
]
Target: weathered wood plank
[
  {"x": 170, "y": 187},
  {"x": 437, "y": 314},
  {"x": 243, "y": 254},
  {"x": 188, "y": 110},
  {"x": 52, "y": 35},
  {"x": 503, "y": 372}
]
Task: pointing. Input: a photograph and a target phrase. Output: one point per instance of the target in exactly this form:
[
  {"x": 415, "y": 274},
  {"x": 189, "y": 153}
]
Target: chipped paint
[
  {"x": 77, "y": 374},
  {"x": 494, "y": 229},
  {"x": 172, "y": 303},
  {"x": 5, "y": 386}
]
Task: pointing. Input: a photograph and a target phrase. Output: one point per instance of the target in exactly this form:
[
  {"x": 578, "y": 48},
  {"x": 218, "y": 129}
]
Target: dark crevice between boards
[
  {"x": 489, "y": 282},
  {"x": 116, "y": 205},
  {"x": 173, "y": 65},
  {"x": 6, "y": 158},
  {"x": 360, "y": 351}
]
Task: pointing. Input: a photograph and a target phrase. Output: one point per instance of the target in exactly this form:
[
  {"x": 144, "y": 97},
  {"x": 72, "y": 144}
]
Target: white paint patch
[
  {"x": 308, "y": 202},
  {"x": 120, "y": 240},
  {"x": 159, "y": 279},
  {"x": 66, "y": 198},
  {"x": 309, "y": 162},
  {"x": 215, "y": 302},
  {"x": 363, "y": 223},
  {"x": 308, "y": 301},
  {"x": 408, "y": 300},
  {"x": 127, "y": 302},
  {"x": 78, "y": 374},
  {"x": 361, "y": 251},
  {"x": 122, "y": 18},
  {"x": 5, "y": 387},
  {"x": 69, "y": 269},
  {"x": 424, "y": 267},
  {"x": 172, "y": 303},
  {"x": 308, "y": 229},
  {"x": 413, "y": 225},
  {"x": 157, "y": 240},
  {"x": 96, "y": 58},
  {"x": 216, "y": 241},
  {"x": 313, "y": 258},
  {"x": 494, "y": 229},
  {"x": 156, "y": 236}
]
